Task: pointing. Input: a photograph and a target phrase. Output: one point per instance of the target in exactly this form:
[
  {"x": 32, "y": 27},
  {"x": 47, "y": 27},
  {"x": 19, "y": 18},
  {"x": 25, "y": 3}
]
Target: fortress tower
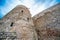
[
  {"x": 19, "y": 12},
  {"x": 19, "y": 20}
]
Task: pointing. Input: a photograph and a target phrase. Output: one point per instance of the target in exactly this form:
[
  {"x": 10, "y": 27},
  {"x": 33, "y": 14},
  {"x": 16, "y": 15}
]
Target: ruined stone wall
[
  {"x": 48, "y": 24},
  {"x": 13, "y": 16},
  {"x": 19, "y": 20},
  {"x": 43, "y": 26}
]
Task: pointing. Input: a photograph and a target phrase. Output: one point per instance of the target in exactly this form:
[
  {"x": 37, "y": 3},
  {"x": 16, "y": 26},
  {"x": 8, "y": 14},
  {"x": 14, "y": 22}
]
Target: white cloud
[
  {"x": 33, "y": 6},
  {"x": 28, "y": 3},
  {"x": 9, "y": 6},
  {"x": 35, "y": 9}
]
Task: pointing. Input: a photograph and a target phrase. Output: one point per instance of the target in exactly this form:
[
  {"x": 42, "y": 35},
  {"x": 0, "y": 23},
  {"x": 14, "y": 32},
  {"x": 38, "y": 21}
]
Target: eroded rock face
[{"x": 48, "y": 25}]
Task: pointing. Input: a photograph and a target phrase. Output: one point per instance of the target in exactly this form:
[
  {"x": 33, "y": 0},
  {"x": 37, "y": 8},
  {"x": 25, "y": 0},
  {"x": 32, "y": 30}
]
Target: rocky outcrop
[{"x": 47, "y": 23}]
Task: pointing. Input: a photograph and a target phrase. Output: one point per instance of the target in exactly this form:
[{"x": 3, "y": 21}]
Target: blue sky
[{"x": 35, "y": 6}]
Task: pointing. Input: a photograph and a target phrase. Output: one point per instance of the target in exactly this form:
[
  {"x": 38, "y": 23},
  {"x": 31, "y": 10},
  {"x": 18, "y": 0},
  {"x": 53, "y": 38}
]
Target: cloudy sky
[{"x": 35, "y": 6}]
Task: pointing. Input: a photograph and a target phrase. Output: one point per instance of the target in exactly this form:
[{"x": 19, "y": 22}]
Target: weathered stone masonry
[{"x": 43, "y": 26}]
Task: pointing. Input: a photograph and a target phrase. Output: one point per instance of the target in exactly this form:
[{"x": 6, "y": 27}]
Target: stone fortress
[{"x": 43, "y": 26}]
